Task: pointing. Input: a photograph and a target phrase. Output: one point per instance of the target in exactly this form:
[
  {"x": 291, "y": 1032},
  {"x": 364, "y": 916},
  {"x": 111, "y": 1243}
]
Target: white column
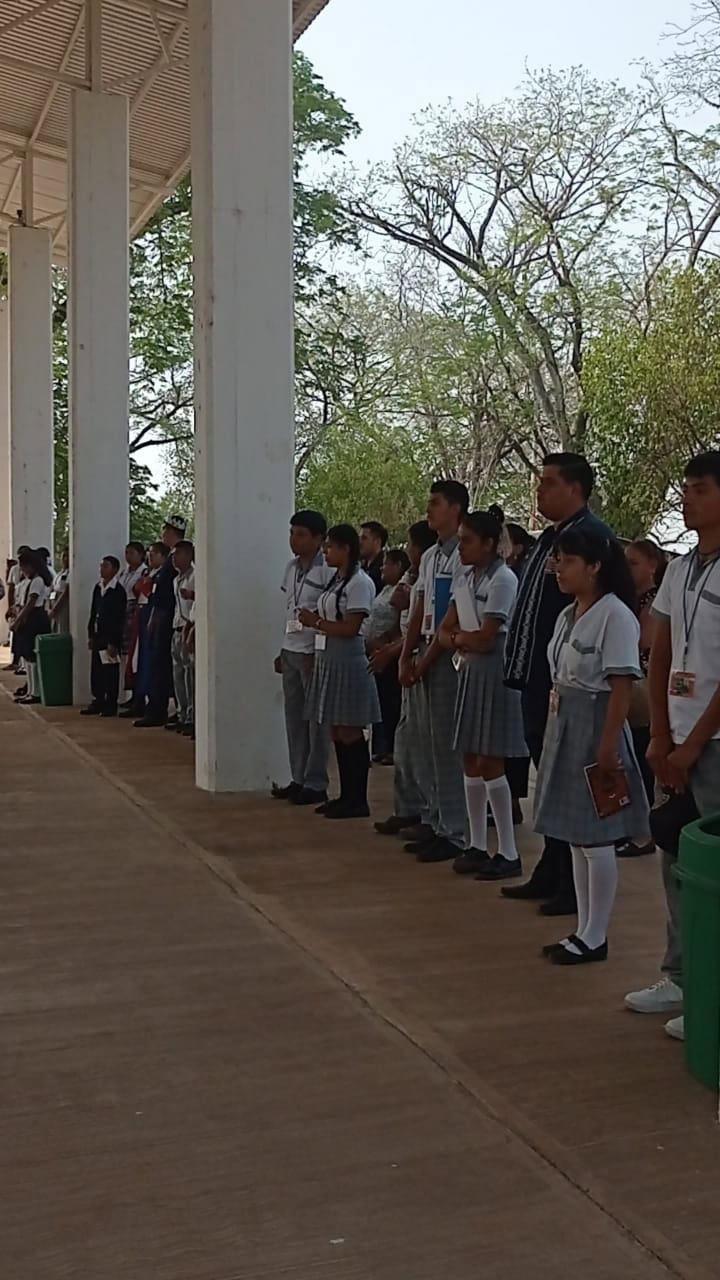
[
  {"x": 242, "y": 234},
  {"x": 5, "y": 523},
  {"x": 98, "y": 338},
  {"x": 31, "y": 386}
]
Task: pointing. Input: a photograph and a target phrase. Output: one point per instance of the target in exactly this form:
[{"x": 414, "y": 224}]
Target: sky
[{"x": 390, "y": 58}]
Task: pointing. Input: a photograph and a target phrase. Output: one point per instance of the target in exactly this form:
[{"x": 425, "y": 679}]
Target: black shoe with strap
[
  {"x": 394, "y": 825},
  {"x": 500, "y": 868},
  {"x": 470, "y": 862},
  {"x": 306, "y": 796},
  {"x": 441, "y": 850},
  {"x": 583, "y": 955}
]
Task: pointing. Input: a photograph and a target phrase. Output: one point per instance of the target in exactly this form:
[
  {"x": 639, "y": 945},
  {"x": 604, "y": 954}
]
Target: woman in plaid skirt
[
  {"x": 488, "y": 716},
  {"x": 594, "y": 659},
  {"x": 342, "y": 692}
]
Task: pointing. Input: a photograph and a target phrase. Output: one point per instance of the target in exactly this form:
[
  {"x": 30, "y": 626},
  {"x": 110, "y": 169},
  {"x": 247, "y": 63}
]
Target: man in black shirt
[
  {"x": 160, "y": 629},
  {"x": 373, "y": 540},
  {"x": 563, "y": 491},
  {"x": 105, "y": 635}
]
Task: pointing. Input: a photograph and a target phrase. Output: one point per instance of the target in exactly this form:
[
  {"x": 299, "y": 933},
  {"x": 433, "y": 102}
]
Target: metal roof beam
[{"x": 42, "y": 71}]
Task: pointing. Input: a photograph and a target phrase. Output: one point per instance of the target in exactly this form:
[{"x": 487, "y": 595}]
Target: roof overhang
[{"x": 144, "y": 55}]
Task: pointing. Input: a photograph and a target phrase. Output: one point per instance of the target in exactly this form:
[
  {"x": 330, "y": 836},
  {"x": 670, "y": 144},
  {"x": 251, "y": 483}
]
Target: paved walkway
[{"x": 239, "y": 1043}]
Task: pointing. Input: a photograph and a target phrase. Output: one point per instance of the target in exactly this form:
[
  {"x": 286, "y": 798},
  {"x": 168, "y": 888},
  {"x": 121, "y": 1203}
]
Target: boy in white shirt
[
  {"x": 183, "y": 656},
  {"x": 305, "y": 579},
  {"x": 684, "y": 685}
]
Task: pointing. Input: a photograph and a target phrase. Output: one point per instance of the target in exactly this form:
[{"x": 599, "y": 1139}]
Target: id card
[
  {"x": 427, "y": 627},
  {"x": 554, "y": 701},
  {"x": 682, "y": 684},
  {"x": 292, "y": 625},
  {"x": 320, "y": 641}
]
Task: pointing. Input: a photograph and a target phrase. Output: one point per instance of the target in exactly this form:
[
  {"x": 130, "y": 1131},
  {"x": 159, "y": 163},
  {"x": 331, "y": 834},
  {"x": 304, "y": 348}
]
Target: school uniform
[
  {"x": 105, "y": 631},
  {"x": 59, "y": 589},
  {"x": 488, "y": 715},
  {"x": 689, "y": 598},
  {"x": 438, "y": 567},
  {"x": 37, "y": 622},
  {"x": 342, "y": 690},
  {"x": 383, "y": 626},
  {"x": 582, "y": 655},
  {"x": 308, "y": 742},
  {"x": 162, "y": 612},
  {"x": 182, "y": 659},
  {"x": 412, "y": 784}
]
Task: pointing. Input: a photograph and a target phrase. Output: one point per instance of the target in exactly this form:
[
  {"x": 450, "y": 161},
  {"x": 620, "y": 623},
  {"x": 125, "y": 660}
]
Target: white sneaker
[
  {"x": 661, "y": 997},
  {"x": 676, "y": 1028}
]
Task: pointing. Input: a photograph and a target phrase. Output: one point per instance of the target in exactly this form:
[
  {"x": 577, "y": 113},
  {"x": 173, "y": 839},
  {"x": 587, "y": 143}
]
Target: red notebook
[{"x": 608, "y": 798}]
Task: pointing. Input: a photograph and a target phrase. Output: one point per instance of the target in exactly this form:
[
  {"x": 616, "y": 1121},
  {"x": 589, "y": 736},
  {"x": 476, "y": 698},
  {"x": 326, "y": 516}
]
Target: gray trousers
[
  {"x": 308, "y": 743},
  {"x": 183, "y": 665},
  {"x": 413, "y": 774},
  {"x": 448, "y": 817},
  {"x": 705, "y": 786}
]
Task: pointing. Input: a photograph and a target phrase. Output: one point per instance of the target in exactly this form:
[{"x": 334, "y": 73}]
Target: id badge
[
  {"x": 292, "y": 625},
  {"x": 458, "y": 661},
  {"x": 554, "y": 701},
  {"x": 428, "y": 628},
  {"x": 682, "y": 684},
  {"x": 320, "y": 642}
]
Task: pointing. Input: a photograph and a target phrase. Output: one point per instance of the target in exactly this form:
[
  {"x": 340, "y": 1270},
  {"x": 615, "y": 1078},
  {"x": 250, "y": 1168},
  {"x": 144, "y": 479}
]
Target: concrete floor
[{"x": 239, "y": 1043}]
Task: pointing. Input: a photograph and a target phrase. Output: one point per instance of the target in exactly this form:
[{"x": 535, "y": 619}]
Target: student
[
  {"x": 182, "y": 657},
  {"x": 647, "y": 564},
  {"x": 488, "y": 716},
  {"x": 59, "y": 602},
  {"x": 304, "y": 581},
  {"x": 160, "y": 630},
  {"x": 105, "y": 634},
  {"x": 594, "y": 658},
  {"x": 383, "y": 635},
  {"x": 14, "y": 578},
  {"x": 373, "y": 540},
  {"x": 412, "y": 784},
  {"x": 565, "y": 486},
  {"x": 342, "y": 692},
  {"x": 130, "y": 576},
  {"x": 30, "y": 619},
  {"x": 158, "y": 555},
  {"x": 684, "y": 686},
  {"x": 423, "y": 659}
]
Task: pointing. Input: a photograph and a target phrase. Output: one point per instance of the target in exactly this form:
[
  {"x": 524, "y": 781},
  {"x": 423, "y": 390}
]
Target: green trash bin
[
  {"x": 54, "y": 667},
  {"x": 698, "y": 871}
]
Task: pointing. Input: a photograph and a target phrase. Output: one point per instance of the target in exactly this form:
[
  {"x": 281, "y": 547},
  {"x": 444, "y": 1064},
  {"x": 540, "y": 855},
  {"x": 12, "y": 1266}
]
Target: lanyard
[
  {"x": 559, "y": 645},
  {"x": 325, "y": 597},
  {"x": 688, "y": 623},
  {"x": 447, "y": 556}
]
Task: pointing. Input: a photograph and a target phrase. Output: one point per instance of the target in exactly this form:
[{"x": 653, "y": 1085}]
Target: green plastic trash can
[
  {"x": 54, "y": 666},
  {"x": 698, "y": 871}
]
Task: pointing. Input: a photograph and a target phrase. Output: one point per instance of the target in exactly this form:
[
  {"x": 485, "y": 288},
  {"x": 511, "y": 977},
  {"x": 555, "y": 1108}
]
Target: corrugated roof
[{"x": 145, "y": 54}]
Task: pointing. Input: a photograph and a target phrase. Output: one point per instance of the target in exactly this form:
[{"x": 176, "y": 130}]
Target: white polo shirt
[
  {"x": 603, "y": 642},
  {"x": 183, "y": 607},
  {"x": 438, "y": 567},
  {"x": 689, "y": 596},
  {"x": 36, "y": 587},
  {"x": 493, "y": 591},
  {"x": 356, "y": 596},
  {"x": 302, "y": 590}
]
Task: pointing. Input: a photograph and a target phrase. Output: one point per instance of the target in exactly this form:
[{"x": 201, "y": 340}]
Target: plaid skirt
[
  {"x": 342, "y": 691},
  {"x": 488, "y": 715},
  {"x": 563, "y": 805}
]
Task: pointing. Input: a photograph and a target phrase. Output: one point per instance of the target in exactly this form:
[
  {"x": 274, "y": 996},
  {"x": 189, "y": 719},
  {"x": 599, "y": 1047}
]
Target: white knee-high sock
[
  {"x": 582, "y": 892},
  {"x": 602, "y": 886},
  {"x": 31, "y": 679},
  {"x": 500, "y": 798},
  {"x": 476, "y": 801}
]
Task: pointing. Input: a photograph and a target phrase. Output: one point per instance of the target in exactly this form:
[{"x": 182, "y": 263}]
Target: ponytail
[
  {"x": 487, "y": 524},
  {"x": 345, "y": 535}
]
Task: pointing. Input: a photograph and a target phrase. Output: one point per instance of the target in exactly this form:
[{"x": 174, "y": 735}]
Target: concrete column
[
  {"x": 242, "y": 235},
  {"x": 31, "y": 386},
  {"x": 5, "y": 523},
  {"x": 98, "y": 348}
]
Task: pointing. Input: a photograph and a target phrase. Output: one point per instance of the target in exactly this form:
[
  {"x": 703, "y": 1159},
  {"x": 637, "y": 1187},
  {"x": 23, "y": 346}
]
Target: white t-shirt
[
  {"x": 356, "y": 596},
  {"x": 302, "y": 590},
  {"x": 36, "y": 587},
  {"x": 438, "y": 567},
  {"x": 183, "y": 607},
  {"x": 603, "y": 642},
  {"x": 494, "y": 591},
  {"x": 678, "y": 600}
]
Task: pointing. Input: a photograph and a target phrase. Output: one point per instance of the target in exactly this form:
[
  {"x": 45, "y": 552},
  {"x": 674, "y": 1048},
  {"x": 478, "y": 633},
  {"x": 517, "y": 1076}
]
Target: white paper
[
  {"x": 107, "y": 659},
  {"x": 465, "y": 605}
]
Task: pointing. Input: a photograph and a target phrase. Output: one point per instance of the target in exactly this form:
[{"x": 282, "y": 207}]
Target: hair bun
[{"x": 497, "y": 513}]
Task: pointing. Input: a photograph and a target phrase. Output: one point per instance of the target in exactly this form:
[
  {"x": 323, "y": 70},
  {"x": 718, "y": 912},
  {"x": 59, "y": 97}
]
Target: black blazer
[{"x": 107, "y": 617}]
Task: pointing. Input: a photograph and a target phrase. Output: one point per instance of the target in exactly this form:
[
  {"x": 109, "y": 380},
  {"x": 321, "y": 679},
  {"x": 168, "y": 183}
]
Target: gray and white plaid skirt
[
  {"x": 488, "y": 715},
  {"x": 563, "y": 805},
  {"x": 342, "y": 690}
]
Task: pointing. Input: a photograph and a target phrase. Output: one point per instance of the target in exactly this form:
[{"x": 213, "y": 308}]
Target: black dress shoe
[
  {"x": 527, "y": 892},
  {"x": 419, "y": 832},
  {"x": 306, "y": 796},
  {"x": 146, "y": 722},
  {"x": 417, "y": 846},
  {"x": 173, "y": 726},
  {"x": 500, "y": 868},
  {"x": 585, "y": 954},
  {"x": 327, "y": 805},
  {"x": 187, "y": 730},
  {"x": 91, "y": 711},
  {"x": 393, "y": 825},
  {"x": 129, "y": 713},
  {"x": 470, "y": 862},
  {"x": 629, "y": 849},
  {"x": 552, "y": 947},
  {"x": 347, "y": 811},
  {"x": 286, "y": 793},
  {"x": 441, "y": 850},
  {"x": 108, "y": 713},
  {"x": 563, "y": 904}
]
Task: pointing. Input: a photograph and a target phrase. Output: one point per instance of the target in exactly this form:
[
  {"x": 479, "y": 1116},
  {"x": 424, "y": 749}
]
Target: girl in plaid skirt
[{"x": 594, "y": 659}]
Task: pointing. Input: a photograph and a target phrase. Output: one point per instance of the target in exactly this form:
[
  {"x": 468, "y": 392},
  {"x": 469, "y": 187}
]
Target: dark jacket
[
  {"x": 163, "y": 595},
  {"x": 374, "y": 569},
  {"x": 107, "y": 617}
]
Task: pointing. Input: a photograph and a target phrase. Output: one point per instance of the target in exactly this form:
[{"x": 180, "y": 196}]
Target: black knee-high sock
[
  {"x": 359, "y": 764},
  {"x": 341, "y": 750}
]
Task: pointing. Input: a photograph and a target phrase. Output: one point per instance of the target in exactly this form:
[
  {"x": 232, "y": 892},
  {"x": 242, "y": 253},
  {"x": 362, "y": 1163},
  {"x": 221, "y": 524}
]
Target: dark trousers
[
  {"x": 161, "y": 676},
  {"x": 641, "y": 742},
  {"x": 553, "y": 874},
  {"x": 104, "y": 683},
  {"x": 390, "y": 696}
]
